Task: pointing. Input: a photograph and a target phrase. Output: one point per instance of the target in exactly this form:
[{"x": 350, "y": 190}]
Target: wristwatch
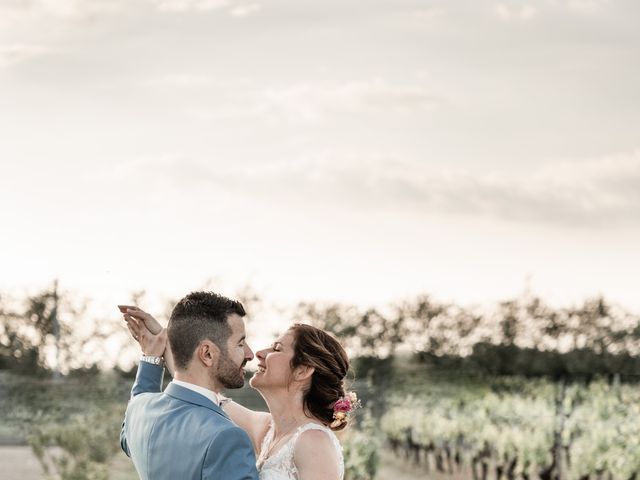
[{"x": 152, "y": 360}]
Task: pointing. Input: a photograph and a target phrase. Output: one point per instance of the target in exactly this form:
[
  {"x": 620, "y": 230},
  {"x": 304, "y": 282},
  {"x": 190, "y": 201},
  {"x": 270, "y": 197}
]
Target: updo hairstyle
[{"x": 316, "y": 348}]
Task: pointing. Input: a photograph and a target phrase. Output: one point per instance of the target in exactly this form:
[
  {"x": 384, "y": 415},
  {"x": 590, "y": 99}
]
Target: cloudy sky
[{"x": 359, "y": 151}]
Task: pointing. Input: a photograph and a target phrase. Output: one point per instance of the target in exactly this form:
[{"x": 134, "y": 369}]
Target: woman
[{"x": 301, "y": 377}]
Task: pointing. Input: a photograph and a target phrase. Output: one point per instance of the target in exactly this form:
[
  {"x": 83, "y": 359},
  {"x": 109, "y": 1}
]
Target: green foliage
[
  {"x": 512, "y": 424},
  {"x": 27, "y": 402},
  {"x": 371, "y": 332},
  {"x": 523, "y": 336},
  {"x": 81, "y": 448},
  {"x": 375, "y": 368},
  {"x": 18, "y": 352},
  {"x": 517, "y": 337},
  {"x": 603, "y": 430},
  {"x": 490, "y": 359},
  {"x": 47, "y": 325},
  {"x": 73, "y": 426},
  {"x": 476, "y": 419},
  {"x": 360, "y": 448}
]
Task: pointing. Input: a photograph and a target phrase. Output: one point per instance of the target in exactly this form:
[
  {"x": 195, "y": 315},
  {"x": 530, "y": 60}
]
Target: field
[
  {"x": 517, "y": 428},
  {"x": 442, "y": 427},
  {"x": 72, "y": 426}
]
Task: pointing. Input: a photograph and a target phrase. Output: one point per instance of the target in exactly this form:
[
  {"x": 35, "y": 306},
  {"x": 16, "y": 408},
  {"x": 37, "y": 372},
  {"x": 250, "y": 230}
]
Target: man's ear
[
  {"x": 303, "y": 372},
  {"x": 208, "y": 353}
]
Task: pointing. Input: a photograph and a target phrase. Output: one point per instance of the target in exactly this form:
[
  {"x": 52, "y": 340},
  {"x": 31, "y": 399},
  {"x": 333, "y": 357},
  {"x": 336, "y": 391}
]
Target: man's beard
[{"x": 229, "y": 374}]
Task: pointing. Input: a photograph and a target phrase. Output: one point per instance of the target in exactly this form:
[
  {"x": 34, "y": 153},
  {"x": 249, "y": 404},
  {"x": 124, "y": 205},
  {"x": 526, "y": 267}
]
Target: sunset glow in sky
[{"x": 359, "y": 151}]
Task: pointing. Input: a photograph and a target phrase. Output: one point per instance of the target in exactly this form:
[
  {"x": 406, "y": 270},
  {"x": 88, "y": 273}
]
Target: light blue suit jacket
[{"x": 179, "y": 434}]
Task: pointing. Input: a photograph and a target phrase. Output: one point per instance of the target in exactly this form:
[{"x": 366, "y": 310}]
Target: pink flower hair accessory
[{"x": 344, "y": 407}]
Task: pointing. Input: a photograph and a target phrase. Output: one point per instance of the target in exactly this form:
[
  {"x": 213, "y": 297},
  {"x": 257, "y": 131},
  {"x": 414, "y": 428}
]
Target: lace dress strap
[
  {"x": 280, "y": 465},
  {"x": 268, "y": 437}
]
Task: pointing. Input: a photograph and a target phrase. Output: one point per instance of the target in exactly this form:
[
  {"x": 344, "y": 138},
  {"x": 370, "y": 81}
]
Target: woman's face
[{"x": 274, "y": 364}]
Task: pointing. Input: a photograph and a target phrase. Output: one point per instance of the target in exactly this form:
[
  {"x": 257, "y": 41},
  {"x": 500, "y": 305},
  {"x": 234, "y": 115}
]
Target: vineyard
[
  {"x": 518, "y": 428},
  {"x": 73, "y": 426},
  {"x": 502, "y": 394}
]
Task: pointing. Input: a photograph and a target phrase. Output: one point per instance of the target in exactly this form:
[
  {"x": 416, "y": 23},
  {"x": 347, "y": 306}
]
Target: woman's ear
[
  {"x": 303, "y": 372},
  {"x": 208, "y": 353}
]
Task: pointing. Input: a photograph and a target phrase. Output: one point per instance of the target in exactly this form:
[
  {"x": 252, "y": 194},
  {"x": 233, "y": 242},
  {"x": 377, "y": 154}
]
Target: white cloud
[
  {"x": 82, "y": 9},
  {"x": 178, "y": 80},
  {"x": 189, "y": 5},
  {"x": 12, "y": 54},
  {"x": 418, "y": 20},
  {"x": 608, "y": 183},
  {"x": 311, "y": 102},
  {"x": 68, "y": 8},
  {"x": 604, "y": 191},
  {"x": 588, "y": 7},
  {"x": 427, "y": 14},
  {"x": 164, "y": 171},
  {"x": 245, "y": 10},
  {"x": 523, "y": 12},
  {"x": 234, "y": 8},
  {"x": 511, "y": 11},
  {"x": 594, "y": 192}
]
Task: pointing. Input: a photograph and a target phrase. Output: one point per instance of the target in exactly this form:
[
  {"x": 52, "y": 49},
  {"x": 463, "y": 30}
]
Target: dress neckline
[{"x": 283, "y": 448}]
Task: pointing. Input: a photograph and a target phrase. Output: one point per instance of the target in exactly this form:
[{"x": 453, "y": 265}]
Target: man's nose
[{"x": 248, "y": 354}]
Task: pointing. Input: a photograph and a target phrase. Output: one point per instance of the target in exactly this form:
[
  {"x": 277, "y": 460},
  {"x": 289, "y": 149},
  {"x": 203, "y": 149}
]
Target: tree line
[
  {"x": 51, "y": 330},
  {"x": 522, "y": 336}
]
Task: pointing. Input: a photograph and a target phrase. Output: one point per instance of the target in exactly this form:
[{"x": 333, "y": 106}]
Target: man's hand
[{"x": 151, "y": 344}]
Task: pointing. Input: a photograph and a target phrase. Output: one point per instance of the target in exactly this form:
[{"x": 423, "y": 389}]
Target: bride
[{"x": 301, "y": 378}]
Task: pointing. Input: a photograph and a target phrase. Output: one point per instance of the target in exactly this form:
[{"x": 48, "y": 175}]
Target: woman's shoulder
[
  {"x": 317, "y": 428},
  {"x": 317, "y": 434},
  {"x": 317, "y": 449}
]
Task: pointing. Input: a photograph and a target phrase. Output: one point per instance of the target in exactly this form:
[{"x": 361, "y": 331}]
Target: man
[{"x": 183, "y": 433}]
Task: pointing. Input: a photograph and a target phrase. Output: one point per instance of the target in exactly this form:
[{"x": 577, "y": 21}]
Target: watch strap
[{"x": 152, "y": 359}]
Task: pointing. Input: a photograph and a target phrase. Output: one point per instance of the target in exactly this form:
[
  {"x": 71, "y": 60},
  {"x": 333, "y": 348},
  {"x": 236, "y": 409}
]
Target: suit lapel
[{"x": 189, "y": 396}]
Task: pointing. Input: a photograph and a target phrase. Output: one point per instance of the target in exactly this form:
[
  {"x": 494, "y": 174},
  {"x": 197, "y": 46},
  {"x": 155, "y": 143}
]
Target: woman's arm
[{"x": 254, "y": 423}]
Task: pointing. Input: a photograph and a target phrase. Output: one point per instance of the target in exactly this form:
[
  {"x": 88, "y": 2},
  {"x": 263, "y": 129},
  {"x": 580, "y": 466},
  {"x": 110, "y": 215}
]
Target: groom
[{"x": 182, "y": 433}]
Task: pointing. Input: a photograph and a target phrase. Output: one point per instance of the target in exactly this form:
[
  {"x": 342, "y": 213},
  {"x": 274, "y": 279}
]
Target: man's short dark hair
[{"x": 200, "y": 316}]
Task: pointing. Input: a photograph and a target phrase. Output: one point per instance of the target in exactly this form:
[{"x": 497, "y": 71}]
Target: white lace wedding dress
[{"x": 280, "y": 466}]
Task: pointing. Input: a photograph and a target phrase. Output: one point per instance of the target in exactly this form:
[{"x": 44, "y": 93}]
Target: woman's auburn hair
[{"x": 320, "y": 350}]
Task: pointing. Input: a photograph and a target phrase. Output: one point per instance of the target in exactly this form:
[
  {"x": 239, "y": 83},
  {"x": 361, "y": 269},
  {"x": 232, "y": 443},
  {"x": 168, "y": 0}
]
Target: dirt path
[
  {"x": 19, "y": 463},
  {"x": 392, "y": 468}
]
